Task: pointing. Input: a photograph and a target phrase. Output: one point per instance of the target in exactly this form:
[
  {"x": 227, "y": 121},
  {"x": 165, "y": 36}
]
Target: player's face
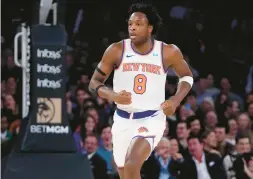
[{"x": 138, "y": 27}]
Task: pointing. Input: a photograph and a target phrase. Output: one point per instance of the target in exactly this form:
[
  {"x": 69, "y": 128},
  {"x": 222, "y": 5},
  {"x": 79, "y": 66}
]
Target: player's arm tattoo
[
  {"x": 91, "y": 89},
  {"x": 103, "y": 71},
  {"x": 100, "y": 71},
  {"x": 100, "y": 81}
]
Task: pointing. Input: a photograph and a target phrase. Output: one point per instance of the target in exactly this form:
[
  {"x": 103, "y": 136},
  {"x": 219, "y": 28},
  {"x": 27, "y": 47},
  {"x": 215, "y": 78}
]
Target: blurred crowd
[{"x": 215, "y": 119}]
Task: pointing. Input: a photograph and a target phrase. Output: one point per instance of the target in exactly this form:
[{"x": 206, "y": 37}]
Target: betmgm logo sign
[{"x": 49, "y": 117}]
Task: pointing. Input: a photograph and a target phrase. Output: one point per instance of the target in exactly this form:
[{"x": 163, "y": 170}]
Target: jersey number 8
[{"x": 140, "y": 82}]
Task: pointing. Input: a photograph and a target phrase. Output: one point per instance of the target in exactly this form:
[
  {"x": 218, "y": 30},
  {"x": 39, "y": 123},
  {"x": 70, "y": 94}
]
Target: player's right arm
[{"x": 110, "y": 58}]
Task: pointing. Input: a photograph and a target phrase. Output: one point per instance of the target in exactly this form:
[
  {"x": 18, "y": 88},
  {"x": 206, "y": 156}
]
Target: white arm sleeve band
[{"x": 187, "y": 79}]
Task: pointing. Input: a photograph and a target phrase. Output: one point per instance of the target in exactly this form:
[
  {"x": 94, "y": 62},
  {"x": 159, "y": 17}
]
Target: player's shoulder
[
  {"x": 114, "y": 51},
  {"x": 172, "y": 48},
  {"x": 116, "y": 46}
]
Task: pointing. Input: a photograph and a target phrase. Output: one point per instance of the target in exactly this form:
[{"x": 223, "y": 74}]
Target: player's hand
[
  {"x": 122, "y": 97},
  {"x": 169, "y": 106}
]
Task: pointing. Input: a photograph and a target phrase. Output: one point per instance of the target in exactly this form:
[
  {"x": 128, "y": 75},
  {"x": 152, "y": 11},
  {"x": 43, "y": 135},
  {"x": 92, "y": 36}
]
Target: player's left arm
[{"x": 173, "y": 58}]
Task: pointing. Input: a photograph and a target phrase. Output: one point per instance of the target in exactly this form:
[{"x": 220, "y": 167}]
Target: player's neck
[{"x": 144, "y": 47}]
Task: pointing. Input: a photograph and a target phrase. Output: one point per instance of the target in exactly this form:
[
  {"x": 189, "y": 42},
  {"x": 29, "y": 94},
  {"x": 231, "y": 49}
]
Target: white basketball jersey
[{"x": 142, "y": 75}]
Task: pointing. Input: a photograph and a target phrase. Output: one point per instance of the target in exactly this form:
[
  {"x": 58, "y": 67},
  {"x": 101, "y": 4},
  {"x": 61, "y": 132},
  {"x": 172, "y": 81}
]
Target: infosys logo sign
[
  {"x": 49, "y": 54},
  {"x": 46, "y": 83},
  {"x": 49, "y": 69}
]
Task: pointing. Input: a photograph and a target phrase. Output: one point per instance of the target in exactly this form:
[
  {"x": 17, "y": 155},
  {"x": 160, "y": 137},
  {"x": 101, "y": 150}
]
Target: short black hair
[
  {"x": 223, "y": 125},
  {"x": 151, "y": 13},
  {"x": 229, "y": 104},
  {"x": 103, "y": 127},
  {"x": 82, "y": 87},
  {"x": 206, "y": 134},
  {"x": 183, "y": 122},
  {"x": 190, "y": 119},
  {"x": 194, "y": 136},
  {"x": 92, "y": 135},
  {"x": 242, "y": 135},
  {"x": 220, "y": 125}
]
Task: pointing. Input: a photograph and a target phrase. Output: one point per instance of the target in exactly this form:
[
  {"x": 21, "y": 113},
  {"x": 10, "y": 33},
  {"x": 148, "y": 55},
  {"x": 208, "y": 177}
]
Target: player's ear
[{"x": 150, "y": 28}]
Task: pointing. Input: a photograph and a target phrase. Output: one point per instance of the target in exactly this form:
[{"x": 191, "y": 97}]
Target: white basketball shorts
[{"x": 127, "y": 126}]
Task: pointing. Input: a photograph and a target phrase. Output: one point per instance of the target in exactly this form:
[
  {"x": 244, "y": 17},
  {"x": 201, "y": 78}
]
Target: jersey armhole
[
  {"x": 162, "y": 59},
  {"x": 121, "y": 57}
]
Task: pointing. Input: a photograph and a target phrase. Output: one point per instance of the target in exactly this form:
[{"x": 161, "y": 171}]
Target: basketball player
[{"x": 140, "y": 64}]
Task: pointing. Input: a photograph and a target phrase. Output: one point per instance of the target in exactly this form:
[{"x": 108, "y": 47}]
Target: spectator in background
[
  {"x": 166, "y": 131},
  {"x": 84, "y": 80},
  {"x": 201, "y": 165},
  {"x": 231, "y": 111},
  {"x": 211, "y": 120},
  {"x": 206, "y": 105},
  {"x": 244, "y": 125},
  {"x": 81, "y": 94},
  {"x": 11, "y": 107},
  {"x": 194, "y": 125},
  {"x": 200, "y": 88},
  {"x": 158, "y": 167},
  {"x": 6, "y": 136},
  {"x": 210, "y": 142},
  {"x": 177, "y": 157},
  {"x": 89, "y": 103},
  {"x": 221, "y": 102},
  {"x": 191, "y": 101},
  {"x": 105, "y": 148},
  {"x": 10, "y": 68},
  {"x": 182, "y": 134},
  {"x": 165, "y": 159},
  {"x": 250, "y": 111},
  {"x": 11, "y": 85},
  {"x": 249, "y": 98},
  {"x": 242, "y": 146},
  {"x": 174, "y": 149},
  {"x": 248, "y": 166},
  {"x": 184, "y": 113},
  {"x": 232, "y": 131},
  {"x": 236, "y": 108},
  {"x": 92, "y": 111},
  {"x": 98, "y": 165},
  {"x": 226, "y": 88},
  {"x": 211, "y": 89},
  {"x": 5, "y": 133},
  {"x": 249, "y": 85},
  {"x": 220, "y": 134},
  {"x": 15, "y": 127},
  {"x": 87, "y": 127}
]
